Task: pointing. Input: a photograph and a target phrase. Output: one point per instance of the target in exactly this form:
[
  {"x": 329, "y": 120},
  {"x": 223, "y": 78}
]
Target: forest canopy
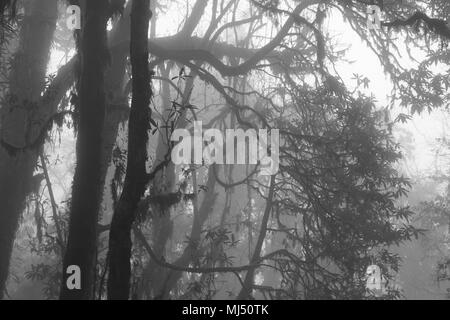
[{"x": 316, "y": 198}]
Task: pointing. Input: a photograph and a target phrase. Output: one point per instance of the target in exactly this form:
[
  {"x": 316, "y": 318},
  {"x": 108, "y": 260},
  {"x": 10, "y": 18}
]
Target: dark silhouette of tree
[{"x": 136, "y": 177}]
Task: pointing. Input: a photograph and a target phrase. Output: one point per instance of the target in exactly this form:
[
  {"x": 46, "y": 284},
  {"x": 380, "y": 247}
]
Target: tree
[
  {"x": 136, "y": 177},
  {"x": 307, "y": 231},
  {"x": 349, "y": 272},
  {"x": 22, "y": 118},
  {"x": 87, "y": 190}
]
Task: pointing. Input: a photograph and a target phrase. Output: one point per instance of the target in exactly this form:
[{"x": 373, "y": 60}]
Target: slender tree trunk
[
  {"x": 87, "y": 189},
  {"x": 164, "y": 182},
  {"x": 136, "y": 177},
  {"x": 200, "y": 216},
  {"x": 27, "y": 81},
  {"x": 247, "y": 289}
]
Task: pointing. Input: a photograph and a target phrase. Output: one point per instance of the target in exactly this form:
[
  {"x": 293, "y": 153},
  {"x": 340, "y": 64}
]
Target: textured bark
[
  {"x": 86, "y": 191},
  {"x": 136, "y": 177},
  {"x": 18, "y": 120}
]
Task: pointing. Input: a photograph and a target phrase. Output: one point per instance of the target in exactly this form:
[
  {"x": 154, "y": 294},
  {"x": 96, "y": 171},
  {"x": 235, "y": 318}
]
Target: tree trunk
[
  {"x": 87, "y": 189},
  {"x": 247, "y": 288},
  {"x": 171, "y": 277},
  {"x": 164, "y": 182},
  {"x": 136, "y": 177},
  {"x": 27, "y": 81}
]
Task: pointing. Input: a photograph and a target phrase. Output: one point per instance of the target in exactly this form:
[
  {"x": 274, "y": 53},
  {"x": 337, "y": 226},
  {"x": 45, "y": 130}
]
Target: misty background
[{"x": 363, "y": 178}]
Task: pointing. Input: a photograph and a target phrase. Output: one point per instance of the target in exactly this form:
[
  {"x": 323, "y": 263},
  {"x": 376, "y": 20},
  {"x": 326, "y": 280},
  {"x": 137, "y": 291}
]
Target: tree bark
[
  {"x": 87, "y": 189},
  {"x": 136, "y": 177},
  {"x": 27, "y": 81}
]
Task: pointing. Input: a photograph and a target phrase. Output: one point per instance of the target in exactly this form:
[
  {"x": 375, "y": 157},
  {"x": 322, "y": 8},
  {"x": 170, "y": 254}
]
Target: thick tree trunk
[
  {"x": 87, "y": 189},
  {"x": 27, "y": 81},
  {"x": 136, "y": 177}
]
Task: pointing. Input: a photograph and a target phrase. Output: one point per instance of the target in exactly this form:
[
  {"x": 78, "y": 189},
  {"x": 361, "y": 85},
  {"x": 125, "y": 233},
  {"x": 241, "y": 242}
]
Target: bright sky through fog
[{"x": 424, "y": 129}]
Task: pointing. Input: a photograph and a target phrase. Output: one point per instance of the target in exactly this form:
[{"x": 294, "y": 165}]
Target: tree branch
[{"x": 437, "y": 26}]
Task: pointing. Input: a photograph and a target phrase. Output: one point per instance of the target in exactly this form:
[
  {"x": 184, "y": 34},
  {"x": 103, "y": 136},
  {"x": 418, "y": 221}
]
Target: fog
[{"x": 355, "y": 206}]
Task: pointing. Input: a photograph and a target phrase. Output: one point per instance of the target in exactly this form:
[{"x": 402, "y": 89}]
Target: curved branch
[
  {"x": 231, "y": 25},
  {"x": 140, "y": 236},
  {"x": 243, "y": 68},
  {"x": 234, "y": 184}
]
